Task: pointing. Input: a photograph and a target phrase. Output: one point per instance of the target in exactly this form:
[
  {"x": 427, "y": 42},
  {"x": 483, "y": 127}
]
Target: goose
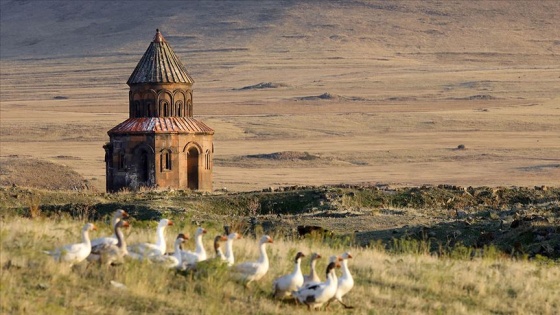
[
  {"x": 312, "y": 277},
  {"x": 315, "y": 296},
  {"x": 211, "y": 263},
  {"x": 334, "y": 259},
  {"x": 199, "y": 253},
  {"x": 118, "y": 215},
  {"x": 142, "y": 250},
  {"x": 75, "y": 253},
  {"x": 285, "y": 285},
  {"x": 254, "y": 271},
  {"x": 217, "y": 250},
  {"x": 229, "y": 247},
  {"x": 345, "y": 282},
  {"x": 108, "y": 254},
  {"x": 172, "y": 261}
]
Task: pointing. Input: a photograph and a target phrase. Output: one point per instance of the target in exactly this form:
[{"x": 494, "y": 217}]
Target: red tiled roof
[{"x": 161, "y": 125}]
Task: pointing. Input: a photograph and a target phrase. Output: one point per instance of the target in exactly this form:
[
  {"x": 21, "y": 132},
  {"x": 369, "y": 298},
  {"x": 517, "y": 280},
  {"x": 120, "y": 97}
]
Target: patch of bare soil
[
  {"x": 263, "y": 85},
  {"x": 28, "y": 172},
  {"x": 290, "y": 159},
  {"x": 330, "y": 97},
  {"x": 285, "y": 155}
]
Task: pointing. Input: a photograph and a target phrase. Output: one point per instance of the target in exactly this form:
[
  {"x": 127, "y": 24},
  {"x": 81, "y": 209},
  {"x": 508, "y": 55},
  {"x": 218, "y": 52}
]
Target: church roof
[
  {"x": 159, "y": 65},
  {"x": 161, "y": 125}
]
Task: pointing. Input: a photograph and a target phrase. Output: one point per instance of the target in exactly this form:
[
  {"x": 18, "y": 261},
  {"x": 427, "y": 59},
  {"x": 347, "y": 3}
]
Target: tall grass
[{"x": 407, "y": 281}]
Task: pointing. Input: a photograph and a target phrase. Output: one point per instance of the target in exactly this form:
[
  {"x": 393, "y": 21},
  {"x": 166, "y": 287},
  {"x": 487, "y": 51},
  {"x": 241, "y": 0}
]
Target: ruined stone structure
[{"x": 160, "y": 145}]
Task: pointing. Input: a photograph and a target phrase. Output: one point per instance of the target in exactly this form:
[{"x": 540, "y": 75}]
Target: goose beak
[
  {"x": 350, "y": 256},
  {"x": 339, "y": 259},
  {"x": 319, "y": 256},
  {"x": 94, "y": 228},
  {"x": 238, "y": 237},
  {"x": 338, "y": 265},
  {"x": 126, "y": 224},
  {"x": 203, "y": 231},
  {"x": 223, "y": 238},
  {"x": 270, "y": 240},
  {"x": 125, "y": 214},
  {"x": 169, "y": 222}
]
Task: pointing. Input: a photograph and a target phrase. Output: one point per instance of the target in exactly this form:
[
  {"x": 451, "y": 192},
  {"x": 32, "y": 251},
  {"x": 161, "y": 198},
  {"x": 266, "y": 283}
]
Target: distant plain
[{"x": 375, "y": 91}]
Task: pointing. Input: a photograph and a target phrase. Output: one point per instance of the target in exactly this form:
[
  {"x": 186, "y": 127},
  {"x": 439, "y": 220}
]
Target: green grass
[{"x": 401, "y": 281}]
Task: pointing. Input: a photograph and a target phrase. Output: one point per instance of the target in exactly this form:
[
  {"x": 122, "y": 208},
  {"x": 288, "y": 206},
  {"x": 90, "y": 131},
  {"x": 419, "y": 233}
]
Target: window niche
[
  {"x": 165, "y": 160},
  {"x": 207, "y": 160},
  {"x": 164, "y": 109},
  {"x": 121, "y": 163}
]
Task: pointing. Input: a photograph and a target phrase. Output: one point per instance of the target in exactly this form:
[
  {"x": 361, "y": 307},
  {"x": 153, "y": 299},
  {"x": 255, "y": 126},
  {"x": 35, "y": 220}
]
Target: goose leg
[{"x": 345, "y": 306}]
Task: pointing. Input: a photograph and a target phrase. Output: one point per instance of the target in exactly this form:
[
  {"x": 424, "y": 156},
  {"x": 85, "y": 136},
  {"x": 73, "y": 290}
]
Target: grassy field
[
  {"x": 409, "y": 281},
  {"x": 411, "y": 256},
  {"x": 388, "y": 93}
]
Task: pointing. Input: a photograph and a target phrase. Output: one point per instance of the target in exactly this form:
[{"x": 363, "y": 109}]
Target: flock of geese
[{"x": 305, "y": 289}]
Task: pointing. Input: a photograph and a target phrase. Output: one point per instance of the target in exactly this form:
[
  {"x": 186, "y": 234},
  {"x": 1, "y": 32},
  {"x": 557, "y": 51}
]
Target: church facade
[{"x": 160, "y": 145}]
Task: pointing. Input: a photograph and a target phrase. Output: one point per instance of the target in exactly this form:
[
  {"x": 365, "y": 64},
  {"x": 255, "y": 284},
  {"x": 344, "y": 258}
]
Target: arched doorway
[
  {"x": 192, "y": 168},
  {"x": 142, "y": 168}
]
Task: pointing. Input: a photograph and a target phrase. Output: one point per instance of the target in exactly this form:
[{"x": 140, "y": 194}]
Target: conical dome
[{"x": 159, "y": 65}]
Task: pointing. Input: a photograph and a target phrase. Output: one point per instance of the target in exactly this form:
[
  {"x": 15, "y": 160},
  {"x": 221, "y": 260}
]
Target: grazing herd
[{"x": 305, "y": 289}]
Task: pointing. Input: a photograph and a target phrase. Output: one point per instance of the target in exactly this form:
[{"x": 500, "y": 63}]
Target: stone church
[{"x": 160, "y": 145}]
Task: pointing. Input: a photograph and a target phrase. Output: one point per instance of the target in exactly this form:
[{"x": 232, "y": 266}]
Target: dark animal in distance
[{"x": 304, "y": 230}]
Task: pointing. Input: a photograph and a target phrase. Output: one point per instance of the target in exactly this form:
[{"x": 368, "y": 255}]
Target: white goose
[
  {"x": 315, "y": 296},
  {"x": 284, "y": 286},
  {"x": 199, "y": 253},
  {"x": 334, "y": 259},
  {"x": 254, "y": 271},
  {"x": 345, "y": 282},
  {"x": 312, "y": 277},
  {"x": 171, "y": 261},
  {"x": 110, "y": 254},
  {"x": 209, "y": 263},
  {"x": 118, "y": 215},
  {"x": 229, "y": 247},
  {"x": 75, "y": 253},
  {"x": 142, "y": 250}
]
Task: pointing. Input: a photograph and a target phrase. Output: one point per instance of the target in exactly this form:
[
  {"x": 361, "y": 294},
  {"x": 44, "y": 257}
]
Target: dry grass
[{"x": 385, "y": 283}]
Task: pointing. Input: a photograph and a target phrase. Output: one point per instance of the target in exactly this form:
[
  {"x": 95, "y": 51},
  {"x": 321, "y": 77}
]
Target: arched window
[
  {"x": 165, "y": 160},
  {"x": 189, "y": 109},
  {"x": 180, "y": 109},
  {"x": 207, "y": 159},
  {"x": 121, "y": 165},
  {"x": 147, "y": 108},
  {"x": 137, "y": 109},
  {"x": 164, "y": 109}
]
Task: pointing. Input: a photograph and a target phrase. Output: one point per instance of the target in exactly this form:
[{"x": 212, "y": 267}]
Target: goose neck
[
  {"x": 264, "y": 257},
  {"x": 114, "y": 221},
  {"x": 331, "y": 278},
  {"x": 297, "y": 267},
  {"x": 85, "y": 237},
  {"x": 344, "y": 267},
  {"x": 313, "y": 263},
  {"x": 161, "y": 239},
  {"x": 177, "y": 253},
  {"x": 229, "y": 247},
  {"x": 120, "y": 238},
  {"x": 198, "y": 243}
]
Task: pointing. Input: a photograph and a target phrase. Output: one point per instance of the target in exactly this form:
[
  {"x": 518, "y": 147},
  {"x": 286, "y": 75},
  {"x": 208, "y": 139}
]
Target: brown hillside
[{"x": 381, "y": 91}]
